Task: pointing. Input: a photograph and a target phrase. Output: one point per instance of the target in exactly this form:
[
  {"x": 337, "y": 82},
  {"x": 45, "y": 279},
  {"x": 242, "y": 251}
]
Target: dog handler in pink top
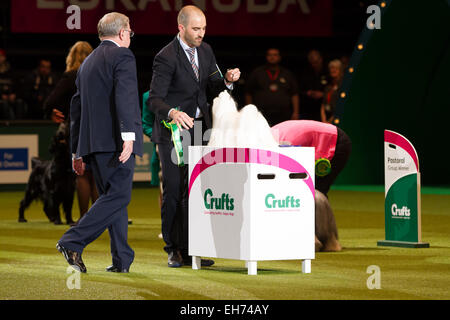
[{"x": 330, "y": 142}]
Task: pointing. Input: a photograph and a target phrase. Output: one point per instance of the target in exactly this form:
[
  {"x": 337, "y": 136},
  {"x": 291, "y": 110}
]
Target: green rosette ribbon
[
  {"x": 176, "y": 139},
  {"x": 323, "y": 167}
]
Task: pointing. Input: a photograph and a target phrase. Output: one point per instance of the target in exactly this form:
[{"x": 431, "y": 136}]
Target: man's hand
[
  {"x": 127, "y": 150},
  {"x": 78, "y": 166},
  {"x": 57, "y": 116},
  {"x": 181, "y": 119},
  {"x": 233, "y": 75}
]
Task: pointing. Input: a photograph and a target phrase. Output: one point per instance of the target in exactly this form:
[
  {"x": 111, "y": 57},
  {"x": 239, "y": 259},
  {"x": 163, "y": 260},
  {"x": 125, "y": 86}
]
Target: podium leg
[
  {"x": 306, "y": 266},
  {"x": 252, "y": 267},
  {"x": 196, "y": 263}
]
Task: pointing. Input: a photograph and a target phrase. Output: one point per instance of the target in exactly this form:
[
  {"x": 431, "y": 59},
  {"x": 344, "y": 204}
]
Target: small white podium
[{"x": 251, "y": 205}]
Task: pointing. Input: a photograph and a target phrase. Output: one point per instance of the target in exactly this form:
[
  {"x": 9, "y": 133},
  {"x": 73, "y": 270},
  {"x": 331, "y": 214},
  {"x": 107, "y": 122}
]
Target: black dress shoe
[
  {"x": 73, "y": 258},
  {"x": 174, "y": 260},
  {"x": 187, "y": 261},
  {"x": 116, "y": 269}
]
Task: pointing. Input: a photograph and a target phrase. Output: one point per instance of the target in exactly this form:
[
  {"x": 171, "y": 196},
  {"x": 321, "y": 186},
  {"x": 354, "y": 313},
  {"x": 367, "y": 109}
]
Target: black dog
[{"x": 52, "y": 181}]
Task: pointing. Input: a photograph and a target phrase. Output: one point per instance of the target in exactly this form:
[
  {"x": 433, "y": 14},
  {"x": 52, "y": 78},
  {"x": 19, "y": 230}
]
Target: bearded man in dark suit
[
  {"x": 184, "y": 72},
  {"x": 106, "y": 132}
]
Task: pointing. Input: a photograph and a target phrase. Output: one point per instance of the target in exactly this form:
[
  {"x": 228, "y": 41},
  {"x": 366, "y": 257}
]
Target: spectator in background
[
  {"x": 37, "y": 87},
  {"x": 57, "y": 104},
  {"x": 57, "y": 107},
  {"x": 11, "y": 107},
  {"x": 148, "y": 119},
  {"x": 330, "y": 96},
  {"x": 273, "y": 89},
  {"x": 312, "y": 84},
  {"x": 345, "y": 59}
]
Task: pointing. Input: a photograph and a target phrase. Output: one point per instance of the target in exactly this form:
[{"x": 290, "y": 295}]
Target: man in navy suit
[
  {"x": 106, "y": 133},
  {"x": 183, "y": 72}
]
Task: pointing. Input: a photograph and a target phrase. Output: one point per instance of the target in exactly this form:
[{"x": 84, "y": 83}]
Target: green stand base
[{"x": 404, "y": 244}]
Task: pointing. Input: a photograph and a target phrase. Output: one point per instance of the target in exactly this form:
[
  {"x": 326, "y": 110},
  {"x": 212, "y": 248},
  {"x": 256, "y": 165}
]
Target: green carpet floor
[{"x": 31, "y": 267}]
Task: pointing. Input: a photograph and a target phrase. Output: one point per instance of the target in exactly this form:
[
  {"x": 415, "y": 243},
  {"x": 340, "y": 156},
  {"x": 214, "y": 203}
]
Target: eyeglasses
[{"x": 131, "y": 32}]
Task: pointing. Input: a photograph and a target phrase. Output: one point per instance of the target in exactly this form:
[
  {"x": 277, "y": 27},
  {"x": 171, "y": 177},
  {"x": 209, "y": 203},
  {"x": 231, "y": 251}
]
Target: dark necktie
[{"x": 191, "y": 52}]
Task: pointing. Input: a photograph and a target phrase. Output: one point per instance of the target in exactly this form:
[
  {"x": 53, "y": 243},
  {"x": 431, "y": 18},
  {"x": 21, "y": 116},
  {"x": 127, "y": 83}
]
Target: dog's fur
[
  {"x": 52, "y": 181},
  {"x": 254, "y": 131},
  {"x": 248, "y": 128},
  {"x": 225, "y": 121},
  {"x": 326, "y": 229}
]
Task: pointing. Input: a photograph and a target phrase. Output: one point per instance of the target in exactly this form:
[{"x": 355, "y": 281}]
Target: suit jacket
[
  {"x": 174, "y": 84},
  {"x": 106, "y": 103}
]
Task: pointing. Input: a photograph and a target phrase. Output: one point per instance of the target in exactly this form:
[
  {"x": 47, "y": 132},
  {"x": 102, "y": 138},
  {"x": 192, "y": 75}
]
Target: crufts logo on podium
[
  {"x": 272, "y": 202},
  {"x": 224, "y": 202},
  {"x": 402, "y": 213}
]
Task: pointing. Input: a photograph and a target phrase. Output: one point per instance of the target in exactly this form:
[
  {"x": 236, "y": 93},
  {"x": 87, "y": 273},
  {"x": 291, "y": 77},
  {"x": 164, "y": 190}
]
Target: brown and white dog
[{"x": 248, "y": 128}]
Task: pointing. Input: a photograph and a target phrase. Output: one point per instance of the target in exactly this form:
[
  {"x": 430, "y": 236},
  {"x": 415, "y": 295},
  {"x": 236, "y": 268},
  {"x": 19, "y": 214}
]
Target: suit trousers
[
  {"x": 114, "y": 184},
  {"x": 174, "y": 207}
]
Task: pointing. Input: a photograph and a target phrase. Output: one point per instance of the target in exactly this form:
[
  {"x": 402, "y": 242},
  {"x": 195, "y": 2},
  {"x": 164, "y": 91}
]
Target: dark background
[
  {"x": 25, "y": 50},
  {"x": 401, "y": 79},
  {"x": 401, "y": 83}
]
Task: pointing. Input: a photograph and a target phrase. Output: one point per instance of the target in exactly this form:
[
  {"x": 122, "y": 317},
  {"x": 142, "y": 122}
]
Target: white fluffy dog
[
  {"x": 246, "y": 128},
  {"x": 225, "y": 117},
  {"x": 249, "y": 129}
]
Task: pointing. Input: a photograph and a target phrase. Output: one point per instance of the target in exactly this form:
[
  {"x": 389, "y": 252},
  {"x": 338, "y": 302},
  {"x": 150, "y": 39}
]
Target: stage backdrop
[
  {"x": 224, "y": 17},
  {"x": 401, "y": 84}
]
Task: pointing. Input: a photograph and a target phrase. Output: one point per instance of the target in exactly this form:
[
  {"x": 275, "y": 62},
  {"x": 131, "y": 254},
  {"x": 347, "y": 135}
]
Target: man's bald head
[
  {"x": 191, "y": 25},
  {"x": 187, "y": 12}
]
